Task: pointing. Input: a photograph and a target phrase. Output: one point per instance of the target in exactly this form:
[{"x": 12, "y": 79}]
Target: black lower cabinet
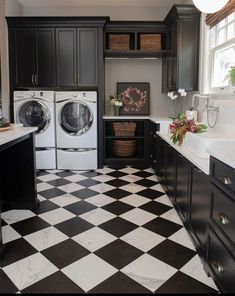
[
  {"x": 205, "y": 205},
  {"x": 199, "y": 209},
  {"x": 182, "y": 188},
  {"x": 151, "y": 143}
]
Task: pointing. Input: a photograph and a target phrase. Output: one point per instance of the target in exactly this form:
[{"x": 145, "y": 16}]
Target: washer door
[
  {"x": 34, "y": 114},
  {"x": 76, "y": 118}
]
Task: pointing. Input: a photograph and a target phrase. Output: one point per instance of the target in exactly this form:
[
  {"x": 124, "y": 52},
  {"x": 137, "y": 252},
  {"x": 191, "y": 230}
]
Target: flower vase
[{"x": 116, "y": 110}]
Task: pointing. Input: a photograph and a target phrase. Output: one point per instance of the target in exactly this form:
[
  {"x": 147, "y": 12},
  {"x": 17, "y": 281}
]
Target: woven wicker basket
[
  {"x": 150, "y": 42},
  {"x": 119, "y": 41},
  {"x": 124, "y": 129},
  {"x": 124, "y": 148}
]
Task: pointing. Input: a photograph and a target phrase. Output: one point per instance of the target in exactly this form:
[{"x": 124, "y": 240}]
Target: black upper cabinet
[
  {"x": 76, "y": 52},
  {"x": 181, "y": 65},
  {"x": 33, "y": 56}
]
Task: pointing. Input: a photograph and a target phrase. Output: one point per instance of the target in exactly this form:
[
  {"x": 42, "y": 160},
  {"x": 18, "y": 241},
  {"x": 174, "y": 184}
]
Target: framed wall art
[{"x": 135, "y": 97}]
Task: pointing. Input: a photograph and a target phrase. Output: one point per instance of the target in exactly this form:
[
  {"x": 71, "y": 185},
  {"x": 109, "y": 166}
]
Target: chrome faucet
[{"x": 206, "y": 97}]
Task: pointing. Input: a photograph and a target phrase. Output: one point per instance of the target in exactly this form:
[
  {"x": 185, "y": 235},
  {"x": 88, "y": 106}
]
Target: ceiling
[{"x": 146, "y": 3}]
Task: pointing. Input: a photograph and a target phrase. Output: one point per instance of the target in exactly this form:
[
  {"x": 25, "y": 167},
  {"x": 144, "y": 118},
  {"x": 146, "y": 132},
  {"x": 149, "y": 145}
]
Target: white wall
[
  {"x": 140, "y": 13},
  {"x": 10, "y": 7},
  {"x": 137, "y": 70}
]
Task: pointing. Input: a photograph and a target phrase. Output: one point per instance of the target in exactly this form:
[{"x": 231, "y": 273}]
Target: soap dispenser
[{"x": 191, "y": 114}]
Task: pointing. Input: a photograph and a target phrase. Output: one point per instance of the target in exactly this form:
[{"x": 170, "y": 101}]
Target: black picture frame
[{"x": 135, "y": 97}]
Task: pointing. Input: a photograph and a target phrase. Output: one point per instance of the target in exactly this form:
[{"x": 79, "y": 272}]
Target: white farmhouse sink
[{"x": 199, "y": 143}]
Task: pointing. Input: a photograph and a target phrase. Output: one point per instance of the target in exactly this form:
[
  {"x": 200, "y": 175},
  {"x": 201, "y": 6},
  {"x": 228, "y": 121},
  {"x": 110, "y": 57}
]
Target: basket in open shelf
[
  {"x": 124, "y": 148},
  {"x": 124, "y": 129}
]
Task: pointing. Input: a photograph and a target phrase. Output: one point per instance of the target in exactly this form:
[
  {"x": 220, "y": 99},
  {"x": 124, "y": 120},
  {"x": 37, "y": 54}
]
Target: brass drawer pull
[
  {"x": 217, "y": 266},
  {"x": 222, "y": 219},
  {"x": 225, "y": 180}
]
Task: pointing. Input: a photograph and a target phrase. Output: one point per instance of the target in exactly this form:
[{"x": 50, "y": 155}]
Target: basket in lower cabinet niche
[{"x": 124, "y": 142}]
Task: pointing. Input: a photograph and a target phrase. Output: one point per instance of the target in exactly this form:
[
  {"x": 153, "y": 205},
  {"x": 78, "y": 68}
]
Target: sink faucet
[{"x": 206, "y": 97}]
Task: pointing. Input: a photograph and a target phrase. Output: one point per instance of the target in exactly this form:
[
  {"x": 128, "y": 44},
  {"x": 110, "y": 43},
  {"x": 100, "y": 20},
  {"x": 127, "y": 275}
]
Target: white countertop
[
  {"x": 155, "y": 119},
  {"x": 15, "y": 133},
  {"x": 202, "y": 163},
  {"x": 226, "y": 154}
]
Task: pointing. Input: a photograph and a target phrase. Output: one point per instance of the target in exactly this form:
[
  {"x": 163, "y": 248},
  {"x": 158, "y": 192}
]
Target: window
[{"x": 222, "y": 52}]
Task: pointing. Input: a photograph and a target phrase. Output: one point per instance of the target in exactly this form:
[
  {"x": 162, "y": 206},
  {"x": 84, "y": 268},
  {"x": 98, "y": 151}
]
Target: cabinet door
[
  {"x": 24, "y": 57},
  {"x": 161, "y": 150},
  {"x": 45, "y": 57},
  {"x": 170, "y": 170},
  {"x": 66, "y": 61},
  {"x": 87, "y": 56},
  {"x": 183, "y": 176},
  {"x": 151, "y": 143},
  {"x": 199, "y": 208}
]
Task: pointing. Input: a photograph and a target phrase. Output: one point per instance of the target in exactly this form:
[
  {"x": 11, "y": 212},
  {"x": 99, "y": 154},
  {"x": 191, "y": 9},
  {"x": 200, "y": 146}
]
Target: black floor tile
[
  {"x": 91, "y": 174},
  {"x": 64, "y": 174},
  {"x": 150, "y": 193},
  {"x": 181, "y": 283},
  {"x": 146, "y": 183},
  {"x": 118, "y": 226},
  {"x": 65, "y": 253},
  {"x": 45, "y": 206},
  {"x": 117, "y": 183},
  {"x": 58, "y": 182},
  {"x": 74, "y": 226},
  {"x": 117, "y": 174},
  {"x": 155, "y": 207},
  {"x": 84, "y": 193},
  {"x": 80, "y": 207},
  {"x": 119, "y": 253},
  {"x": 119, "y": 283},
  {"x": 162, "y": 226},
  {"x": 172, "y": 253},
  {"x": 143, "y": 174},
  {"x": 6, "y": 285},
  {"x": 117, "y": 207},
  {"x": 17, "y": 250},
  {"x": 57, "y": 283},
  {"x": 88, "y": 182},
  {"x": 30, "y": 225},
  {"x": 50, "y": 193},
  {"x": 117, "y": 193},
  {"x": 41, "y": 173}
]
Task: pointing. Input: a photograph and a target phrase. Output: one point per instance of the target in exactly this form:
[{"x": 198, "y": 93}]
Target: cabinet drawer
[
  {"x": 222, "y": 212},
  {"x": 221, "y": 262},
  {"x": 223, "y": 174}
]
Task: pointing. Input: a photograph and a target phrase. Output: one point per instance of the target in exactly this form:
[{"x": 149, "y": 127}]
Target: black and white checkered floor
[{"x": 109, "y": 231}]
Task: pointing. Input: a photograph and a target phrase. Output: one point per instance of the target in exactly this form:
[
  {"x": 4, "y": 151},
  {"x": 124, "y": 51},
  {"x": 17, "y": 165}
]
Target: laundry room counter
[{"x": 17, "y": 171}]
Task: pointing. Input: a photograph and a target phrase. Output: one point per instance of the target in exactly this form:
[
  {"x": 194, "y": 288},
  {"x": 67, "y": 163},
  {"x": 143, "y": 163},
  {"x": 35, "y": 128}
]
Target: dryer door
[
  {"x": 34, "y": 114},
  {"x": 76, "y": 118}
]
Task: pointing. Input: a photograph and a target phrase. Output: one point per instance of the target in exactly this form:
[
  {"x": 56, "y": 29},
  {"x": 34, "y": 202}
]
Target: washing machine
[
  {"x": 37, "y": 109},
  {"x": 76, "y": 130}
]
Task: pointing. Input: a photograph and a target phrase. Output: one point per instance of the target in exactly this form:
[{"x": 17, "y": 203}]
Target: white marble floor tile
[
  {"x": 40, "y": 198},
  {"x": 102, "y": 187},
  {"x": 71, "y": 187},
  {"x": 29, "y": 270},
  {"x": 130, "y": 178},
  {"x": 138, "y": 216},
  {"x": 45, "y": 238},
  {"x": 89, "y": 271},
  {"x": 149, "y": 271},
  {"x": 75, "y": 178},
  {"x": 158, "y": 187},
  {"x": 133, "y": 188},
  {"x": 43, "y": 186},
  {"x": 54, "y": 171},
  {"x": 172, "y": 216},
  {"x": 153, "y": 178},
  {"x": 149, "y": 170},
  {"x": 9, "y": 234},
  {"x": 13, "y": 216},
  {"x": 135, "y": 200},
  {"x": 94, "y": 238},
  {"x": 97, "y": 216},
  {"x": 164, "y": 199},
  {"x": 142, "y": 239},
  {"x": 105, "y": 170},
  {"x": 56, "y": 216},
  {"x": 194, "y": 268},
  {"x": 49, "y": 177},
  {"x": 181, "y": 237},
  {"x": 65, "y": 200},
  {"x": 129, "y": 170},
  {"x": 100, "y": 200},
  {"x": 103, "y": 178}
]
